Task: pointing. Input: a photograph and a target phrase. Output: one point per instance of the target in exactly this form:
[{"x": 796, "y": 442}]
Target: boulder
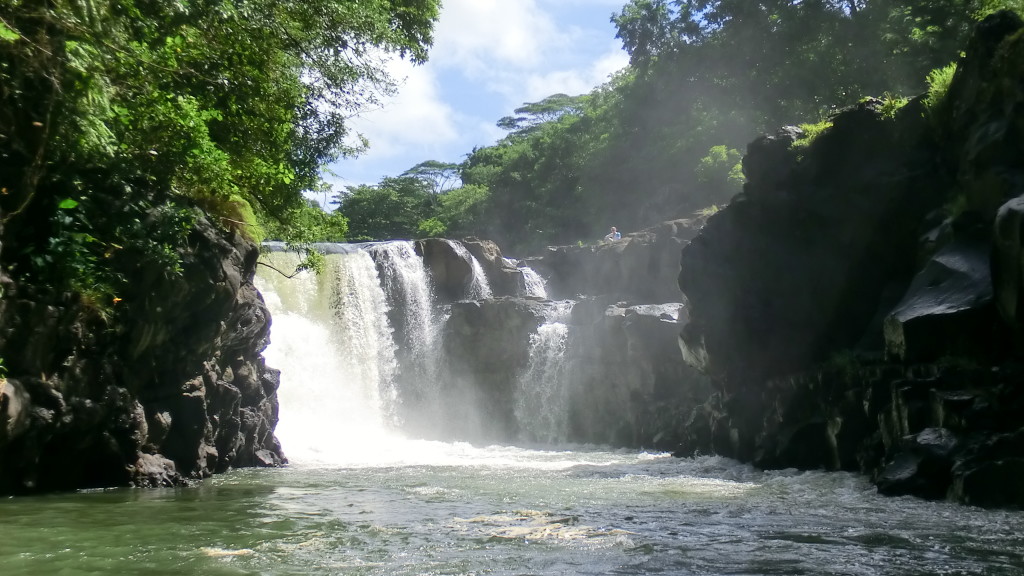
[
  {"x": 504, "y": 276},
  {"x": 449, "y": 272},
  {"x": 948, "y": 308},
  {"x": 923, "y": 467}
]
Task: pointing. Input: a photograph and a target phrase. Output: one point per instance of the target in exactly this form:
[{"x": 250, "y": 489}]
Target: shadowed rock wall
[
  {"x": 175, "y": 389},
  {"x": 857, "y": 305}
]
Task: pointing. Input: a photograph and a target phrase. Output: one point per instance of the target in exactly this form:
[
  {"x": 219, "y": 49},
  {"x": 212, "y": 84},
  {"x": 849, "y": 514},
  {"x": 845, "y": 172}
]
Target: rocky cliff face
[
  {"x": 641, "y": 267},
  {"x": 174, "y": 388},
  {"x": 613, "y": 375},
  {"x": 857, "y": 304}
]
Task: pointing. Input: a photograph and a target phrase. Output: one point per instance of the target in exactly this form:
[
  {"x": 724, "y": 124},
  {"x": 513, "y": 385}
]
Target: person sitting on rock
[{"x": 613, "y": 235}]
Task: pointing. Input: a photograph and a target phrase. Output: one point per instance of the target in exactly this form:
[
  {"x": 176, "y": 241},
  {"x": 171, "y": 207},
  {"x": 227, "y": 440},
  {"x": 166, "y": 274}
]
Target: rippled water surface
[{"x": 508, "y": 511}]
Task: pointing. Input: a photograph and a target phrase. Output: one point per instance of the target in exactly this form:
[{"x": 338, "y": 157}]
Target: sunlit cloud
[
  {"x": 489, "y": 57},
  {"x": 415, "y": 118}
]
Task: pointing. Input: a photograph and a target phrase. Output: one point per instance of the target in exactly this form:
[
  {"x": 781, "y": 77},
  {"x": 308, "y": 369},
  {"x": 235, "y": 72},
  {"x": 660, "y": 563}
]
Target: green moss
[
  {"x": 811, "y": 133},
  {"x": 708, "y": 211},
  {"x": 233, "y": 213}
]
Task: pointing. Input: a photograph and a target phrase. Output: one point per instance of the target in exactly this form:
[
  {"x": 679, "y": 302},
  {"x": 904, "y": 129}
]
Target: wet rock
[
  {"x": 628, "y": 384},
  {"x": 449, "y": 272},
  {"x": 641, "y": 267},
  {"x": 482, "y": 364},
  {"x": 504, "y": 277},
  {"x": 923, "y": 466},
  {"x": 114, "y": 407},
  {"x": 947, "y": 309},
  {"x": 1008, "y": 261},
  {"x": 155, "y": 471}
]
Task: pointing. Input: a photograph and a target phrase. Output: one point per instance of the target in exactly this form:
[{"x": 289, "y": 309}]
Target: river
[{"x": 361, "y": 497}]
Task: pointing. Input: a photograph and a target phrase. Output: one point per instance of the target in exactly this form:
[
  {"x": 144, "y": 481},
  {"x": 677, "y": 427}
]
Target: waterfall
[
  {"x": 417, "y": 327},
  {"x": 541, "y": 396},
  {"x": 478, "y": 288},
  {"x": 534, "y": 284},
  {"x": 360, "y": 351},
  {"x": 331, "y": 340}
]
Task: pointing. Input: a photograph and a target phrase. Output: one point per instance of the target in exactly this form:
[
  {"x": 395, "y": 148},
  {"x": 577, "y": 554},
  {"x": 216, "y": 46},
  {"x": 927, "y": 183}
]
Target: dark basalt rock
[
  {"x": 641, "y": 267},
  {"x": 906, "y": 228},
  {"x": 483, "y": 363},
  {"x": 449, "y": 272},
  {"x": 504, "y": 277},
  {"x": 947, "y": 309},
  {"x": 178, "y": 391},
  {"x": 629, "y": 385},
  {"x": 923, "y": 467}
]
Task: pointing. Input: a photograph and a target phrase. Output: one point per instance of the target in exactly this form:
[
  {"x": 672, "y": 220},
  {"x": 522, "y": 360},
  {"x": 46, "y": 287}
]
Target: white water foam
[
  {"x": 541, "y": 397},
  {"x": 533, "y": 283},
  {"x": 332, "y": 343},
  {"x": 478, "y": 288}
]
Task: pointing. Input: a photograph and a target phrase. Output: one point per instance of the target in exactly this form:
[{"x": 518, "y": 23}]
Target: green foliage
[
  {"x": 390, "y": 210},
  {"x": 442, "y": 176},
  {"x": 307, "y": 224},
  {"x": 989, "y": 6},
  {"x": 708, "y": 211},
  {"x": 8, "y": 35},
  {"x": 431, "y": 228},
  {"x": 461, "y": 210},
  {"x": 938, "y": 85},
  {"x": 660, "y": 140},
  {"x": 811, "y": 132},
  {"x": 891, "y": 104},
  {"x": 532, "y": 115},
  {"x": 722, "y": 170},
  {"x": 116, "y": 116}
]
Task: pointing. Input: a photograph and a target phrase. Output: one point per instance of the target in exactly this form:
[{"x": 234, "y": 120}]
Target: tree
[
  {"x": 389, "y": 210},
  {"x": 442, "y": 176},
  {"x": 127, "y": 107}
]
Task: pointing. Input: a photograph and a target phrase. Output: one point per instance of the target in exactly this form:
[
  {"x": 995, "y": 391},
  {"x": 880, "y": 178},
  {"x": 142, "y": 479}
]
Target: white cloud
[
  {"x": 415, "y": 118},
  {"x": 476, "y": 35},
  {"x": 575, "y": 81},
  {"x": 488, "y": 58}
]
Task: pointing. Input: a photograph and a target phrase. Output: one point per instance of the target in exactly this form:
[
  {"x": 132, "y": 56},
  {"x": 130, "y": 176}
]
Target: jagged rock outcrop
[
  {"x": 641, "y": 267},
  {"x": 857, "y": 304},
  {"x": 172, "y": 388},
  {"x": 450, "y": 273}
]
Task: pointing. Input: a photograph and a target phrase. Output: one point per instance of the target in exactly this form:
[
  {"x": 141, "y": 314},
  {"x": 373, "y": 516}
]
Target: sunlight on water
[{"x": 361, "y": 499}]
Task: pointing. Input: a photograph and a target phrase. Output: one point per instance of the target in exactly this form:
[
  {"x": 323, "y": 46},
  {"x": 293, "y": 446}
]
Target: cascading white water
[
  {"x": 334, "y": 347},
  {"x": 408, "y": 287},
  {"x": 479, "y": 288},
  {"x": 541, "y": 397},
  {"x": 534, "y": 283}
]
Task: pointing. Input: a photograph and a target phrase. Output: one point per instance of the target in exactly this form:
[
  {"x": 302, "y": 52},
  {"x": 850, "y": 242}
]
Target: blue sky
[{"x": 489, "y": 57}]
